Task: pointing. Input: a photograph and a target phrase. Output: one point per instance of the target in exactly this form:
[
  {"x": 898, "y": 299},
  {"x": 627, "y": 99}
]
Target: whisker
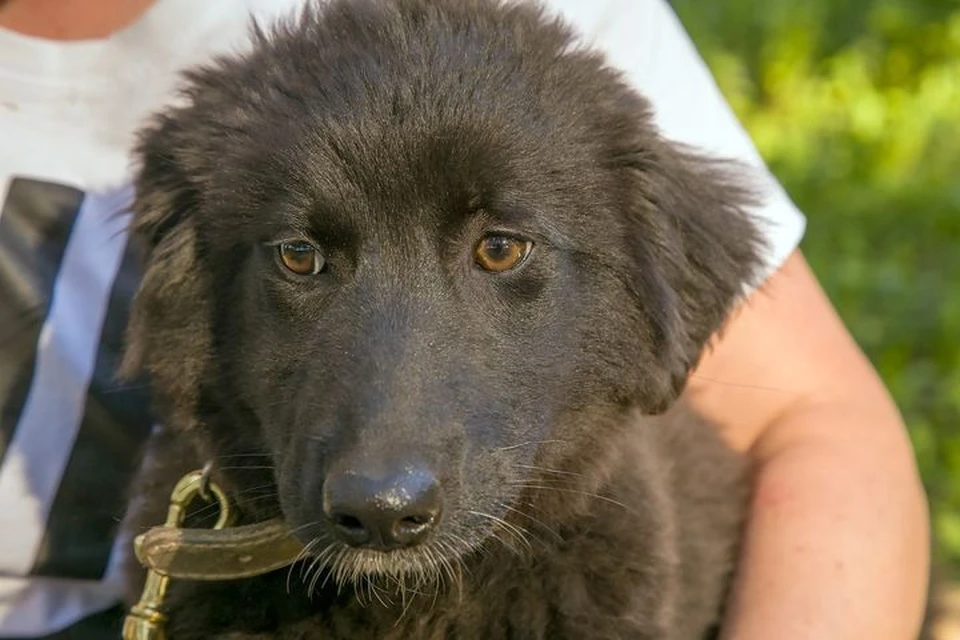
[
  {"x": 548, "y": 470},
  {"x": 536, "y": 521},
  {"x": 300, "y": 556},
  {"x": 241, "y": 455},
  {"x": 515, "y": 530},
  {"x": 321, "y": 561},
  {"x": 587, "y": 494},
  {"x": 303, "y": 552},
  {"x": 214, "y": 506},
  {"x": 529, "y": 444},
  {"x": 466, "y": 548},
  {"x": 246, "y": 490}
]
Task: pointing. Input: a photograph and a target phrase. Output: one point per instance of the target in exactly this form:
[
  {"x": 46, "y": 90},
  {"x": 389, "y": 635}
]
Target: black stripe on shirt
[
  {"x": 35, "y": 225},
  {"x": 92, "y": 496}
]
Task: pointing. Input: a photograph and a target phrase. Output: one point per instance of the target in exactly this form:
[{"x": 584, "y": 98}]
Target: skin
[
  {"x": 838, "y": 529},
  {"x": 70, "y": 19}
]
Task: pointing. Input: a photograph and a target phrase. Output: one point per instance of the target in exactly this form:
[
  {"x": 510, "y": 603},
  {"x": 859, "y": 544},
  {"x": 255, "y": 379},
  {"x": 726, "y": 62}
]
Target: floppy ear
[
  {"x": 694, "y": 249},
  {"x": 169, "y": 333}
]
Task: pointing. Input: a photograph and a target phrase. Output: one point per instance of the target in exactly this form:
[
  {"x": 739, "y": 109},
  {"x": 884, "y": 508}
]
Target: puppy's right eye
[
  {"x": 300, "y": 258},
  {"x": 499, "y": 253}
]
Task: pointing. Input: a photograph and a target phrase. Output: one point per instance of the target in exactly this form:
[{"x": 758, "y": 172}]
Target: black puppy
[{"x": 424, "y": 280}]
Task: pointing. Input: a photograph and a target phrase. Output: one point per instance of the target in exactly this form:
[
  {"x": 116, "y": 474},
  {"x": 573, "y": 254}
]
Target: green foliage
[{"x": 856, "y": 107}]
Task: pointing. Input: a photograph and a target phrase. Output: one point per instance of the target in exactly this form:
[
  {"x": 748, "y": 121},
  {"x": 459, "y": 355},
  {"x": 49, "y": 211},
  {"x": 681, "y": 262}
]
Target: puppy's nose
[{"x": 383, "y": 513}]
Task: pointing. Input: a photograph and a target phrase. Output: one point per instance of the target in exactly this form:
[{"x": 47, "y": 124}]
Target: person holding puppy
[{"x": 838, "y": 526}]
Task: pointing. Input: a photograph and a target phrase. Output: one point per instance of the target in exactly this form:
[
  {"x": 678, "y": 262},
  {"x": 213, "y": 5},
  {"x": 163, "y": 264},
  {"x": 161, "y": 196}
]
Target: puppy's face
[{"x": 421, "y": 261}]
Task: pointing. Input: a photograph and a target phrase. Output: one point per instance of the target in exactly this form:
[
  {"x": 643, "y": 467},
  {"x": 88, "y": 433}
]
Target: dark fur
[{"x": 393, "y": 134}]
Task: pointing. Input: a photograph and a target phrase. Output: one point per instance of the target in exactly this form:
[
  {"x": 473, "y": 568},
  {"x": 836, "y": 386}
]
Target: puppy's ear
[
  {"x": 694, "y": 247},
  {"x": 169, "y": 333}
]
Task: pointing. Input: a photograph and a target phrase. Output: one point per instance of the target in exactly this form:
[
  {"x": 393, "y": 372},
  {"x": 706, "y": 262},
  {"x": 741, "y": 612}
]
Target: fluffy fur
[{"x": 580, "y": 500}]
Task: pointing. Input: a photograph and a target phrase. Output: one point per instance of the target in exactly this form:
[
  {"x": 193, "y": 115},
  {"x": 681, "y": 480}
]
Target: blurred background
[{"x": 856, "y": 107}]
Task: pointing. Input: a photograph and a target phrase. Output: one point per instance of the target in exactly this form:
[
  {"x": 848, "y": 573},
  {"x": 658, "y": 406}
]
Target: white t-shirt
[{"x": 69, "y": 433}]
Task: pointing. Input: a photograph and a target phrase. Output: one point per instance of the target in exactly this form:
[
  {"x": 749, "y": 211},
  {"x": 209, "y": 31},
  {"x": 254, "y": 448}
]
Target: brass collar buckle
[{"x": 221, "y": 553}]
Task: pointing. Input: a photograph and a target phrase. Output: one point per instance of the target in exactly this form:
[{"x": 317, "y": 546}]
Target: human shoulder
[{"x": 645, "y": 40}]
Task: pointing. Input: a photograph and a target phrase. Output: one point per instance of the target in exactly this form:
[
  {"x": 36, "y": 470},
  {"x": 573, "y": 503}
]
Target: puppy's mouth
[
  {"x": 389, "y": 574},
  {"x": 383, "y": 575}
]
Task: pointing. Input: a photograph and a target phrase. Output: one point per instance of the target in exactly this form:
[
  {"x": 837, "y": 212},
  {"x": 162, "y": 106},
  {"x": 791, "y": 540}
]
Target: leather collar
[{"x": 218, "y": 554}]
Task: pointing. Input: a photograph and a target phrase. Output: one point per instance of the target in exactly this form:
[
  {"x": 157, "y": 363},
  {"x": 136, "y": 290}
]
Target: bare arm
[{"x": 837, "y": 542}]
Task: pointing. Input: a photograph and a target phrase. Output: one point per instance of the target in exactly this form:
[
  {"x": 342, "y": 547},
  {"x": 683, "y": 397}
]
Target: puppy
[{"x": 424, "y": 280}]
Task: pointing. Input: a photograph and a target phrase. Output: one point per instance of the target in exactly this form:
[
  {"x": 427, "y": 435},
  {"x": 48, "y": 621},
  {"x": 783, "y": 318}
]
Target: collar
[{"x": 218, "y": 554}]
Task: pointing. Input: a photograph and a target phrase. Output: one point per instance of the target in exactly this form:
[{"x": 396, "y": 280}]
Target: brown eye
[
  {"x": 300, "y": 258},
  {"x": 501, "y": 253}
]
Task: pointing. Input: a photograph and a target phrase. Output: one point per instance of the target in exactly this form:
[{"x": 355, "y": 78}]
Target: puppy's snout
[{"x": 388, "y": 512}]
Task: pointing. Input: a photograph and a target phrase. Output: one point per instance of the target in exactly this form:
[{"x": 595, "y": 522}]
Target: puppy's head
[{"x": 413, "y": 254}]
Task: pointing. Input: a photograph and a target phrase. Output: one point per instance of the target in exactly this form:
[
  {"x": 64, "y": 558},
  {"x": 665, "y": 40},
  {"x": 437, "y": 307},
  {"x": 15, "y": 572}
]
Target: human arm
[{"x": 837, "y": 542}]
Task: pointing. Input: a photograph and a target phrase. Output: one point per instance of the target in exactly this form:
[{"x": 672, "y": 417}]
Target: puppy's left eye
[
  {"x": 497, "y": 253},
  {"x": 300, "y": 258}
]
